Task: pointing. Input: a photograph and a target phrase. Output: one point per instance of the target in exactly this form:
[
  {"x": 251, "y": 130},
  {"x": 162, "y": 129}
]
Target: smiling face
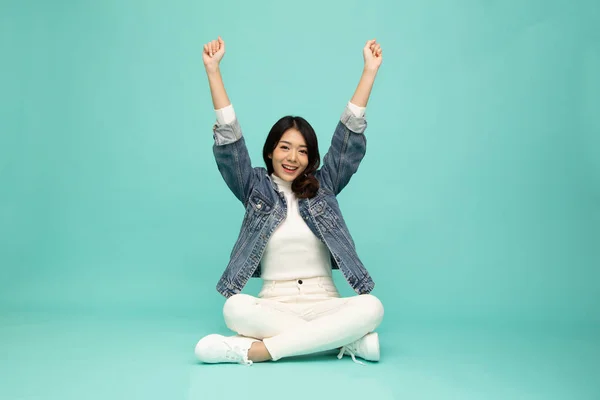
[{"x": 290, "y": 156}]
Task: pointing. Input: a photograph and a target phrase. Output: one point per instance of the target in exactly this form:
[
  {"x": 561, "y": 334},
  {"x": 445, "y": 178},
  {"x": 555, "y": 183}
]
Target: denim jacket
[{"x": 266, "y": 208}]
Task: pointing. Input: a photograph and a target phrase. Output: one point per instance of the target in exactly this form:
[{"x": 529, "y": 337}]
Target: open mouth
[{"x": 289, "y": 169}]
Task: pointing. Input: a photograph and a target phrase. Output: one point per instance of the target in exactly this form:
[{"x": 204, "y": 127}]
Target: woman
[{"x": 292, "y": 236}]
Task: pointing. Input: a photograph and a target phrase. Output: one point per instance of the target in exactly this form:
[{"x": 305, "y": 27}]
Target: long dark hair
[{"x": 305, "y": 185}]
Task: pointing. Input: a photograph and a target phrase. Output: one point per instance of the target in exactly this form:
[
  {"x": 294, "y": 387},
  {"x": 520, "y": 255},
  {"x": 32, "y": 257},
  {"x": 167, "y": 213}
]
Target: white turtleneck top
[{"x": 293, "y": 251}]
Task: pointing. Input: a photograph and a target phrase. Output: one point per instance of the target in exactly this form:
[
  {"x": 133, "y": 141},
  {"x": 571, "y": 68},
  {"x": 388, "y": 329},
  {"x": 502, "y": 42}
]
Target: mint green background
[{"x": 476, "y": 209}]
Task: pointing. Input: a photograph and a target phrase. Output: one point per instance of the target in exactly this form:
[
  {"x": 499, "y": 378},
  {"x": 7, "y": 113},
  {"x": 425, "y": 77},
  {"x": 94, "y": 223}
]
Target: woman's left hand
[{"x": 372, "y": 54}]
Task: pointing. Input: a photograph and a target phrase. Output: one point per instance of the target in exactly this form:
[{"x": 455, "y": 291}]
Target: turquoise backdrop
[{"x": 478, "y": 201}]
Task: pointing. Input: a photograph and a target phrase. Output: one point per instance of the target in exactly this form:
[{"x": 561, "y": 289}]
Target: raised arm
[
  {"x": 211, "y": 57},
  {"x": 229, "y": 147},
  {"x": 373, "y": 56},
  {"x": 348, "y": 145}
]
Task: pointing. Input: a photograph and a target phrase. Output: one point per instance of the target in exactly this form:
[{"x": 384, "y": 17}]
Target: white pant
[{"x": 302, "y": 316}]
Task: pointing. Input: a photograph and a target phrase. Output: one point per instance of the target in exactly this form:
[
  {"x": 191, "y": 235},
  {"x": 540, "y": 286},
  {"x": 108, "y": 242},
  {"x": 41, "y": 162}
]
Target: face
[{"x": 290, "y": 156}]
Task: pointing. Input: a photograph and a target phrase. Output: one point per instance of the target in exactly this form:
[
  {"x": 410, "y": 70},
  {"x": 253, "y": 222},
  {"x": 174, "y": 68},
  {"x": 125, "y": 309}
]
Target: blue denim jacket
[{"x": 266, "y": 208}]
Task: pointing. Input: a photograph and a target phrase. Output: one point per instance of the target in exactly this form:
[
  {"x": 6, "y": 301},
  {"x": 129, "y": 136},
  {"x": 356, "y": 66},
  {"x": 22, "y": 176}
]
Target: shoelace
[
  {"x": 350, "y": 351},
  {"x": 238, "y": 354}
]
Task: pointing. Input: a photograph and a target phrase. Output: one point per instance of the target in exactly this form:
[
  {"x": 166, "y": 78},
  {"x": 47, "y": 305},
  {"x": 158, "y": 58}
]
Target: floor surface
[{"x": 61, "y": 356}]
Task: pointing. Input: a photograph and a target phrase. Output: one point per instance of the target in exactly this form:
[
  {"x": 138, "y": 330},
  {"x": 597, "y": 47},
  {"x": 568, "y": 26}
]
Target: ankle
[{"x": 258, "y": 352}]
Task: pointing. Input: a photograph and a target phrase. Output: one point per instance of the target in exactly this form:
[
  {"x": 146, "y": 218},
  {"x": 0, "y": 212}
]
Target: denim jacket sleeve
[
  {"x": 233, "y": 159},
  {"x": 347, "y": 149}
]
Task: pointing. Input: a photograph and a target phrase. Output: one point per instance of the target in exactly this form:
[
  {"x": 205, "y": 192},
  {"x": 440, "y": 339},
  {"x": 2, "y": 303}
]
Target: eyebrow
[{"x": 284, "y": 141}]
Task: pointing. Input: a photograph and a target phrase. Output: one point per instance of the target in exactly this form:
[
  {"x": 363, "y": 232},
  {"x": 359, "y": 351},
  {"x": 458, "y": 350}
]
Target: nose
[{"x": 292, "y": 156}]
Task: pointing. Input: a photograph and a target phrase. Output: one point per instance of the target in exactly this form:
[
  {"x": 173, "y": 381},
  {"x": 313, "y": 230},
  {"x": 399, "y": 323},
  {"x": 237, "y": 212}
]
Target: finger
[
  {"x": 213, "y": 47},
  {"x": 369, "y": 43},
  {"x": 206, "y": 49}
]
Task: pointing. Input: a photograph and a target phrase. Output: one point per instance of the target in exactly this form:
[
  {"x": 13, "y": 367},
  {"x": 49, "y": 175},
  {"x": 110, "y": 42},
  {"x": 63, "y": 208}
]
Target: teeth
[{"x": 290, "y": 168}]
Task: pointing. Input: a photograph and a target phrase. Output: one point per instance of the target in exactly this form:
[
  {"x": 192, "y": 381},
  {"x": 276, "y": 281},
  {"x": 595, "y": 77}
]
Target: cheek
[{"x": 276, "y": 156}]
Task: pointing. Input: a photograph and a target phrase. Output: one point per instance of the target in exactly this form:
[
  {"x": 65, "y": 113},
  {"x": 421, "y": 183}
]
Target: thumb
[{"x": 221, "y": 42}]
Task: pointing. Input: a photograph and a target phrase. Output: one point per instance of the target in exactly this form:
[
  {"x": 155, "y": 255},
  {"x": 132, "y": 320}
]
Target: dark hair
[{"x": 305, "y": 185}]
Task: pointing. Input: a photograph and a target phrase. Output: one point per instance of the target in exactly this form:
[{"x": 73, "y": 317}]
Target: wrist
[
  {"x": 212, "y": 70},
  {"x": 372, "y": 71}
]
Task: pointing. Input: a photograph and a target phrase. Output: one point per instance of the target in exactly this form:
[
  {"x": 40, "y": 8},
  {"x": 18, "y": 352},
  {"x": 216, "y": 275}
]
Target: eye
[
  {"x": 284, "y": 147},
  {"x": 303, "y": 151}
]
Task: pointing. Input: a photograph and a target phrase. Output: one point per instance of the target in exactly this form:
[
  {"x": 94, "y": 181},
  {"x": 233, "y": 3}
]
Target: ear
[{"x": 270, "y": 156}]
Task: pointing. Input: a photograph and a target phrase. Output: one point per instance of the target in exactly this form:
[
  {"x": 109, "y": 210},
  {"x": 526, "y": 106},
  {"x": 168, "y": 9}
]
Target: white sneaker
[
  {"x": 224, "y": 349},
  {"x": 367, "y": 348}
]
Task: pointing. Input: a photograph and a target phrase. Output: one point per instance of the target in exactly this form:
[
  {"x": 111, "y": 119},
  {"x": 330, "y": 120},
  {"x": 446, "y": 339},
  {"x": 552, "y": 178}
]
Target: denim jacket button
[{"x": 259, "y": 206}]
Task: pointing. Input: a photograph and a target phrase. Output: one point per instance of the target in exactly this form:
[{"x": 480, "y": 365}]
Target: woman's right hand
[{"x": 213, "y": 53}]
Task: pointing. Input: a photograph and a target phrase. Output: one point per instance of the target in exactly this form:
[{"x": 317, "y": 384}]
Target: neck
[{"x": 281, "y": 183}]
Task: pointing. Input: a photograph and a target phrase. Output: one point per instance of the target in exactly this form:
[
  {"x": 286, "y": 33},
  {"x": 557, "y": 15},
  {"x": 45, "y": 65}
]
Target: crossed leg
[{"x": 290, "y": 329}]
